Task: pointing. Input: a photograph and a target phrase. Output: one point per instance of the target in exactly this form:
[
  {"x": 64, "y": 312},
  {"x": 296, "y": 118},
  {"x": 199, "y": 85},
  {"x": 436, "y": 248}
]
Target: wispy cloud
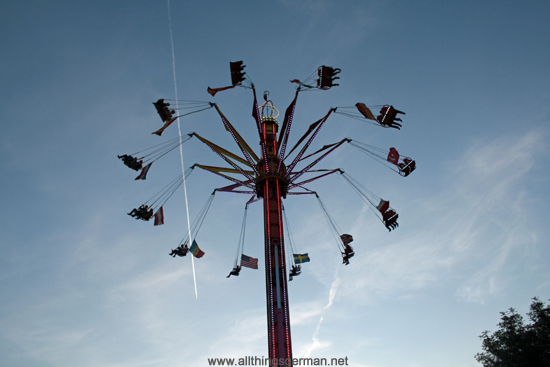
[
  {"x": 316, "y": 343},
  {"x": 491, "y": 183},
  {"x": 472, "y": 226},
  {"x": 243, "y": 337}
]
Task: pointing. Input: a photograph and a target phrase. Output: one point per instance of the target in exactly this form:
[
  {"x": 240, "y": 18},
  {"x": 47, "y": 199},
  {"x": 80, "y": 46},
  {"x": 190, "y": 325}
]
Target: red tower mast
[{"x": 272, "y": 186}]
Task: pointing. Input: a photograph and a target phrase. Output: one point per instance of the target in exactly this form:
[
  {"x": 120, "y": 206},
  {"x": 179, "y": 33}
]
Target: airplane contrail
[{"x": 181, "y": 151}]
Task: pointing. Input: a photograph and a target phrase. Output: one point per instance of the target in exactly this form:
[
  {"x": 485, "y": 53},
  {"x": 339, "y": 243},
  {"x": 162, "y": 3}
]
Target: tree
[{"x": 516, "y": 344}]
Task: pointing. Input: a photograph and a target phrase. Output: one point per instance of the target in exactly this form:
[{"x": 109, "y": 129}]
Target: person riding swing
[
  {"x": 236, "y": 270},
  {"x": 180, "y": 251},
  {"x": 295, "y": 271},
  {"x": 388, "y": 117},
  {"x": 131, "y": 162},
  {"x": 347, "y": 254}
]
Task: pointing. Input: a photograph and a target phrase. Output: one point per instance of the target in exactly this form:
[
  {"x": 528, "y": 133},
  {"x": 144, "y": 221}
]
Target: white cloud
[
  {"x": 243, "y": 337},
  {"x": 316, "y": 343},
  {"x": 472, "y": 226}
]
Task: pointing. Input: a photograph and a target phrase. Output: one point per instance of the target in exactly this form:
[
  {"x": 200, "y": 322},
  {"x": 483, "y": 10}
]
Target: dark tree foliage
[{"x": 516, "y": 344}]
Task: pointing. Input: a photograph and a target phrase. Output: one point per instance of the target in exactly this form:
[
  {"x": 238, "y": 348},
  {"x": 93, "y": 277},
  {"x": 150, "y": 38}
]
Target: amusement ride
[{"x": 271, "y": 175}]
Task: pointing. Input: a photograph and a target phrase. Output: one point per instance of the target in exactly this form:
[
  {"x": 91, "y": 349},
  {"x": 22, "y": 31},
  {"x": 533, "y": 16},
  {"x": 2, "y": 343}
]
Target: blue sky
[{"x": 83, "y": 284}]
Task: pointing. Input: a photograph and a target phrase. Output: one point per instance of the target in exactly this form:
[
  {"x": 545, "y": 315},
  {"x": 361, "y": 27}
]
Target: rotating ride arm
[
  {"x": 224, "y": 154},
  {"x": 315, "y": 128},
  {"x": 334, "y": 146},
  {"x": 251, "y": 157}
]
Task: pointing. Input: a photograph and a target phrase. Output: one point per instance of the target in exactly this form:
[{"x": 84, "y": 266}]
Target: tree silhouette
[{"x": 516, "y": 344}]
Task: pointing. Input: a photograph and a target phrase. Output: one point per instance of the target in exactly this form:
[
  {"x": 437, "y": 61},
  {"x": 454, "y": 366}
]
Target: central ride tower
[{"x": 272, "y": 186}]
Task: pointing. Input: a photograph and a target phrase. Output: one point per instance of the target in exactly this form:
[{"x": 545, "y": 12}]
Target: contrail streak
[
  {"x": 332, "y": 294},
  {"x": 181, "y": 151}
]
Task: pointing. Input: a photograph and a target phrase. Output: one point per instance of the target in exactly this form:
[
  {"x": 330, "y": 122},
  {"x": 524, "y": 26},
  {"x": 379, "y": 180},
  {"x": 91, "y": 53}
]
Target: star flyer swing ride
[{"x": 271, "y": 177}]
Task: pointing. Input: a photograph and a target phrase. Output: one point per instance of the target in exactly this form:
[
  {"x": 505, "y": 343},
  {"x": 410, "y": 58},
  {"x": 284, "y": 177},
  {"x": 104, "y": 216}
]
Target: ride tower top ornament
[
  {"x": 268, "y": 112},
  {"x": 267, "y": 166}
]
